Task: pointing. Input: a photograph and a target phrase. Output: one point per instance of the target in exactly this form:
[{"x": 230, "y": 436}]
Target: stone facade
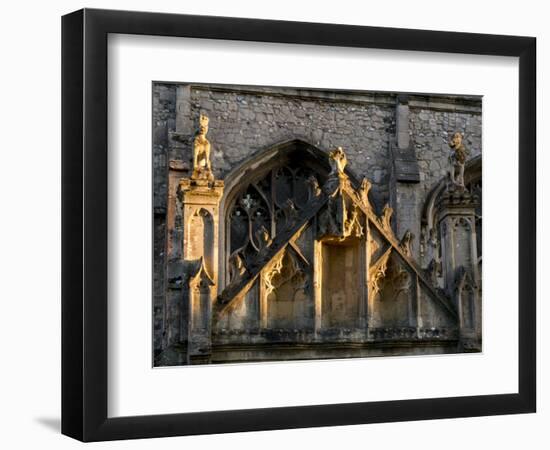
[{"x": 371, "y": 251}]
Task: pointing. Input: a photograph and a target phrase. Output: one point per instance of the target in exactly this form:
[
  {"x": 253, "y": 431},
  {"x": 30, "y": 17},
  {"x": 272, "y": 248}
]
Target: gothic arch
[
  {"x": 256, "y": 193},
  {"x": 472, "y": 181},
  {"x": 472, "y": 177}
]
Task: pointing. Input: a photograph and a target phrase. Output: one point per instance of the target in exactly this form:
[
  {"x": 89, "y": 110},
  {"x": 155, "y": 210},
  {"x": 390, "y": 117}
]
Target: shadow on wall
[{"x": 52, "y": 423}]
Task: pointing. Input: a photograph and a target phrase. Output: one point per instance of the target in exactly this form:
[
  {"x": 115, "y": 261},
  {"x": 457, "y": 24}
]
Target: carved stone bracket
[
  {"x": 377, "y": 272},
  {"x": 406, "y": 243},
  {"x": 385, "y": 220}
]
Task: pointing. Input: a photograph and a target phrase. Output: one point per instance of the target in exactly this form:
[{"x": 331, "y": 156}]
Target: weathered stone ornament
[
  {"x": 385, "y": 220},
  {"x": 338, "y": 161},
  {"x": 406, "y": 243},
  {"x": 236, "y": 268},
  {"x": 377, "y": 272},
  {"x": 315, "y": 190},
  {"x": 202, "y": 168},
  {"x": 365, "y": 189},
  {"x": 458, "y": 159}
]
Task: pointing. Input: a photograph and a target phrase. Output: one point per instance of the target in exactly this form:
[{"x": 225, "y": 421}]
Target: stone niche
[
  {"x": 342, "y": 292},
  {"x": 201, "y": 238}
]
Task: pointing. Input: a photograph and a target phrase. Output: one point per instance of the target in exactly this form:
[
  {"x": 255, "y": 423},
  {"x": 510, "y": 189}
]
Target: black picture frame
[{"x": 84, "y": 224}]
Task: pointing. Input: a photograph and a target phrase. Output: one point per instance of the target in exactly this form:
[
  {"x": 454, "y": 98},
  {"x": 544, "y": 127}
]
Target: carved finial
[
  {"x": 352, "y": 223},
  {"x": 290, "y": 212},
  {"x": 264, "y": 240},
  {"x": 338, "y": 161},
  {"x": 434, "y": 271},
  {"x": 386, "y": 218},
  {"x": 458, "y": 159},
  {"x": 406, "y": 243},
  {"x": 236, "y": 268},
  {"x": 202, "y": 168},
  {"x": 365, "y": 188},
  {"x": 314, "y": 185},
  {"x": 377, "y": 273}
]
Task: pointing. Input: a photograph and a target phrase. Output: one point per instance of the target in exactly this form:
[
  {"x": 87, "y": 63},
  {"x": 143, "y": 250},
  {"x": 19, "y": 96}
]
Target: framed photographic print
[{"x": 276, "y": 225}]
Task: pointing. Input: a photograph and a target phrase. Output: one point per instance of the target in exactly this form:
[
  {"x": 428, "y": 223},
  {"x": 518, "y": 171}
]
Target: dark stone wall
[
  {"x": 243, "y": 123},
  {"x": 245, "y": 120},
  {"x": 431, "y": 130}
]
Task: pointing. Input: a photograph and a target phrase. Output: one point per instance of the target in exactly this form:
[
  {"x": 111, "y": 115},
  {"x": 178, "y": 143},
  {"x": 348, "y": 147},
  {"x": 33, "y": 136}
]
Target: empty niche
[
  {"x": 201, "y": 238},
  {"x": 341, "y": 291}
]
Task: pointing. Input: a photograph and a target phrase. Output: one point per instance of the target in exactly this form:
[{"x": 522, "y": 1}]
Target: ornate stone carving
[
  {"x": 406, "y": 243},
  {"x": 338, "y": 161},
  {"x": 400, "y": 279},
  {"x": 263, "y": 238},
  {"x": 372, "y": 246},
  {"x": 458, "y": 159},
  {"x": 352, "y": 224},
  {"x": 236, "y": 268},
  {"x": 433, "y": 271},
  {"x": 463, "y": 222},
  {"x": 199, "y": 277},
  {"x": 377, "y": 273},
  {"x": 462, "y": 278},
  {"x": 247, "y": 202},
  {"x": 399, "y": 333},
  {"x": 274, "y": 268},
  {"x": 364, "y": 192},
  {"x": 465, "y": 297},
  {"x": 202, "y": 168},
  {"x": 337, "y": 179},
  {"x": 315, "y": 190},
  {"x": 385, "y": 220},
  {"x": 290, "y": 213}
]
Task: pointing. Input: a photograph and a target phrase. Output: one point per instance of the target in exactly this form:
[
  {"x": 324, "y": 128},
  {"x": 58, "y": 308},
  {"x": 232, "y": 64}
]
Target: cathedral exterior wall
[{"x": 245, "y": 120}]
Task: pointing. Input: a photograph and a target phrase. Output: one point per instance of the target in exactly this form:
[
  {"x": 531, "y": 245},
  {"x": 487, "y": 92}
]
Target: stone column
[
  {"x": 402, "y": 122},
  {"x": 459, "y": 257},
  {"x": 405, "y": 175},
  {"x": 418, "y": 306},
  {"x": 199, "y": 250},
  {"x": 184, "y": 121},
  {"x": 318, "y": 284}
]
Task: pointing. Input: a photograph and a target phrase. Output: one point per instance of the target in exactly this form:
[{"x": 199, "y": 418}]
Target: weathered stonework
[{"x": 313, "y": 224}]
